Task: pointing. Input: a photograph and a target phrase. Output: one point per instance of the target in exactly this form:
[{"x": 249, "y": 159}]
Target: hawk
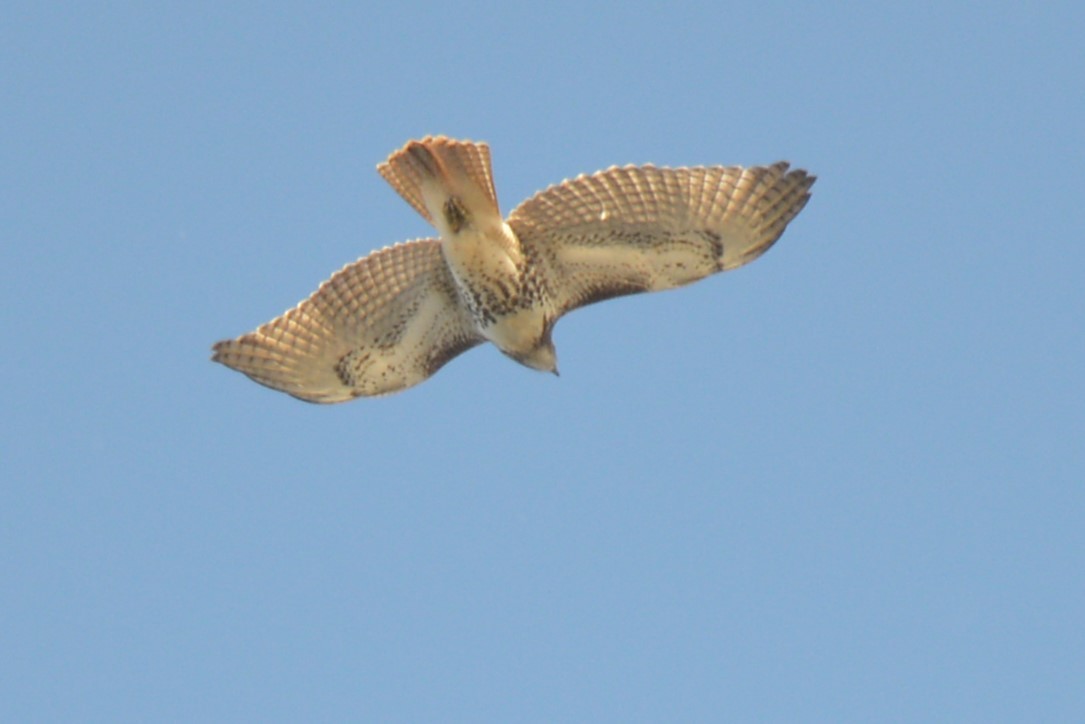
[{"x": 393, "y": 318}]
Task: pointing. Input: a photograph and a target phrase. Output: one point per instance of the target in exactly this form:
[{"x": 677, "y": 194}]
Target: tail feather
[{"x": 426, "y": 172}]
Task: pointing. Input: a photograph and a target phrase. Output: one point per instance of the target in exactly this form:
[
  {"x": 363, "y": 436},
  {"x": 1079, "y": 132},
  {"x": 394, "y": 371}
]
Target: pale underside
[{"x": 393, "y": 318}]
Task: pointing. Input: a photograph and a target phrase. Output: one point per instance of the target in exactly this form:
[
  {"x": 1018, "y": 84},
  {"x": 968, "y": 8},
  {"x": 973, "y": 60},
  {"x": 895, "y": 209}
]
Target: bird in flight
[{"x": 393, "y": 318}]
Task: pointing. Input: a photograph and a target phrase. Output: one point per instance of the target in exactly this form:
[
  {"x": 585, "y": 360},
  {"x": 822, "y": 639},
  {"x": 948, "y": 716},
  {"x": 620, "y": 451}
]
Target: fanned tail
[{"x": 425, "y": 173}]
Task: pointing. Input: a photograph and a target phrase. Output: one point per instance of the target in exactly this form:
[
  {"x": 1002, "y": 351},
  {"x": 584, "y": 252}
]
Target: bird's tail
[{"x": 427, "y": 172}]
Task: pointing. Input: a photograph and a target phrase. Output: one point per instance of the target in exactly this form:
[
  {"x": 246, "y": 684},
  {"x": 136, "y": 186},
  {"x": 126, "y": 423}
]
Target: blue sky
[{"x": 846, "y": 482}]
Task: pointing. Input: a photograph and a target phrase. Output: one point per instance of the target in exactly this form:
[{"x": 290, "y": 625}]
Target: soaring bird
[{"x": 393, "y": 318}]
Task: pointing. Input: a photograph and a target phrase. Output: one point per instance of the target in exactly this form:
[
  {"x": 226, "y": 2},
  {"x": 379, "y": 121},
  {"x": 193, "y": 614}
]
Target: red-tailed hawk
[{"x": 393, "y": 318}]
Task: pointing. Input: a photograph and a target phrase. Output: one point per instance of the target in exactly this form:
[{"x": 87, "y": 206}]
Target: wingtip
[
  {"x": 806, "y": 178},
  {"x": 216, "y": 350}
]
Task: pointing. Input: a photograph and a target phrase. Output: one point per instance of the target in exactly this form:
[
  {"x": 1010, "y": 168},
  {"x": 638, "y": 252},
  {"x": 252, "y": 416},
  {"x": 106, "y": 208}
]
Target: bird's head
[{"x": 542, "y": 356}]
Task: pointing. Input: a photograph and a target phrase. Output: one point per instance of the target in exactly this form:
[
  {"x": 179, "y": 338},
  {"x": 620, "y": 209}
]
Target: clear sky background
[{"x": 846, "y": 482}]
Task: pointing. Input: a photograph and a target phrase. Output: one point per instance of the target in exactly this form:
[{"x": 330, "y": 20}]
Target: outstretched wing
[
  {"x": 382, "y": 324},
  {"x": 643, "y": 228}
]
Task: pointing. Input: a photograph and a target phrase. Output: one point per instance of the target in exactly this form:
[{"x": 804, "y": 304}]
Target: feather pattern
[
  {"x": 381, "y": 324},
  {"x": 391, "y": 319}
]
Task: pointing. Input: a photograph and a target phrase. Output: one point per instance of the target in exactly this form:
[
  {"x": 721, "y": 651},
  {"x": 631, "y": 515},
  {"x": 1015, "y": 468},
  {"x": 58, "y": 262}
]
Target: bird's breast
[{"x": 488, "y": 268}]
